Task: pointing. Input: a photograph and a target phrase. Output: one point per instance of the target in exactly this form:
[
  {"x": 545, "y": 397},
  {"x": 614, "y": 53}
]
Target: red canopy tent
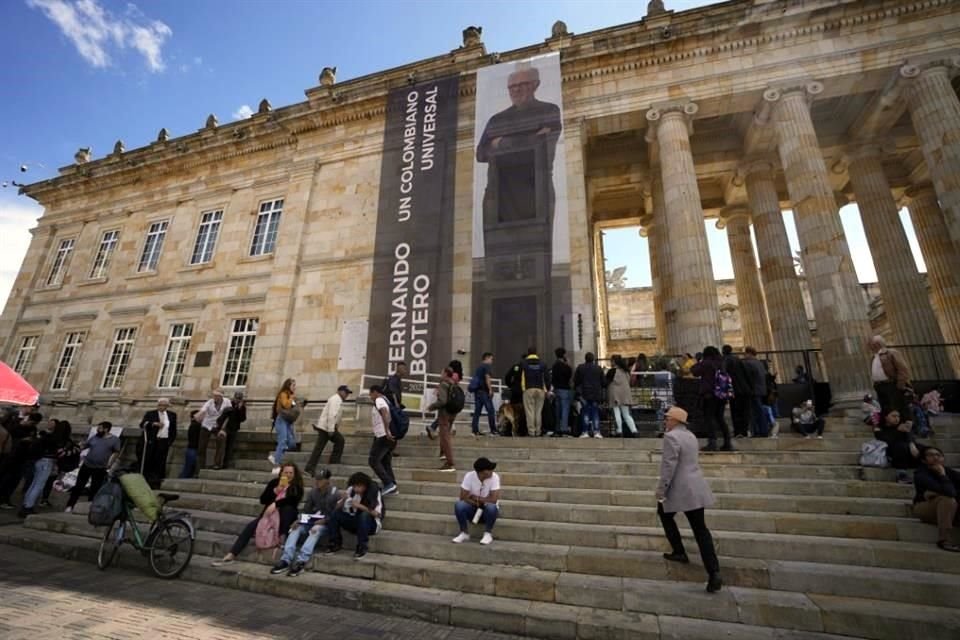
[{"x": 14, "y": 389}]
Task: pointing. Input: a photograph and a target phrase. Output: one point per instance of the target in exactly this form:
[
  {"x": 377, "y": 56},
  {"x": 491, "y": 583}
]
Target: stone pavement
[{"x": 45, "y": 598}]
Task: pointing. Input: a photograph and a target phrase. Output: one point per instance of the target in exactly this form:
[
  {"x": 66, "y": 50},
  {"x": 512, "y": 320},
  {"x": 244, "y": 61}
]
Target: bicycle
[{"x": 168, "y": 544}]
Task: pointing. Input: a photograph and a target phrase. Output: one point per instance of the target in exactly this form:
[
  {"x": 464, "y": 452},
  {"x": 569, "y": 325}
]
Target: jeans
[
  {"x": 533, "y": 408},
  {"x": 446, "y": 436},
  {"x": 361, "y": 523},
  {"x": 704, "y": 540},
  {"x": 621, "y": 414},
  {"x": 96, "y": 478},
  {"x": 482, "y": 400},
  {"x": 758, "y": 419},
  {"x": 381, "y": 459},
  {"x": 42, "y": 470},
  {"x": 189, "y": 464},
  {"x": 322, "y": 438},
  {"x": 285, "y": 438},
  {"x": 290, "y": 547},
  {"x": 465, "y": 512},
  {"x": 561, "y": 408},
  {"x": 590, "y": 417}
]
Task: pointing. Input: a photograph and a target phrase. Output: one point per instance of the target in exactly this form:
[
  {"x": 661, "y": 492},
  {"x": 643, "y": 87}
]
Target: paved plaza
[{"x": 46, "y": 597}]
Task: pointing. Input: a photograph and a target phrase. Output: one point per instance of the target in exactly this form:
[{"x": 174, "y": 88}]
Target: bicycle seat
[{"x": 168, "y": 497}]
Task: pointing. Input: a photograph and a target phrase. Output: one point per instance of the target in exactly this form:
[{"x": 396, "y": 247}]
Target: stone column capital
[
  {"x": 646, "y": 222},
  {"x": 809, "y": 89},
  {"x": 920, "y": 190},
  {"x": 761, "y": 166},
  {"x": 732, "y": 214},
  {"x": 661, "y": 111}
]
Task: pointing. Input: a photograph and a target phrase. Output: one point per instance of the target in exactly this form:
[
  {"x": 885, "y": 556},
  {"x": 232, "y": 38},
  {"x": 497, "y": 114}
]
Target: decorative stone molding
[
  {"x": 264, "y": 106},
  {"x": 118, "y": 148},
  {"x": 243, "y": 301},
  {"x": 193, "y": 305},
  {"x": 82, "y": 156},
  {"x": 682, "y": 108},
  {"x": 559, "y": 29},
  {"x": 765, "y": 165},
  {"x": 471, "y": 37},
  {"x": 328, "y": 76},
  {"x": 79, "y": 316},
  {"x": 129, "y": 312},
  {"x": 655, "y": 8},
  {"x": 31, "y": 321}
]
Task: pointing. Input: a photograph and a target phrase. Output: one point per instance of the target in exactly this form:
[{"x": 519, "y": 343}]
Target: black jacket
[
  {"x": 589, "y": 382},
  {"x": 290, "y": 499},
  {"x": 154, "y": 416},
  {"x": 561, "y": 375},
  {"x": 233, "y": 416},
  {"x": 926, "y": 480},
  {"x": 742, "y": 385}
]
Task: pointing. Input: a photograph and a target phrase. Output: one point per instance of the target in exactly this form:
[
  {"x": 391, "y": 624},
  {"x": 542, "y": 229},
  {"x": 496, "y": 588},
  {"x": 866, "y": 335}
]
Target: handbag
[
  {"x": 268, "y": 531},
  {"x": 290, "y": 415}
]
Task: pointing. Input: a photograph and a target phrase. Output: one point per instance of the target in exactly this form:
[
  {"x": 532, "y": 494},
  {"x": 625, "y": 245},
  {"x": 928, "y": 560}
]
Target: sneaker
[
  {"x": 360, "y": 552},
  {"x": 487, "y": 538},
  {"x": 296, "y": 569},
  {"x": 806, "y": 437},
  {"x": 819, "y": 437},
  {"x": 461, "y": 538},
  {"x": 584, "y": 435},
  {"x": 448, "y": 467},
  {"x": 68, "y": 510},
  {"x": 222, "y": 562},
  {"x": 280, "y": 567},
  {"x": 714, "y": 584},
  {"x": 390, "y": 488},
  {"x": 272, "y": 460},
  {"x": 948, "y": 546},
  {"x": 598, "y": 436},
  {"x": 332, "y": 549}
]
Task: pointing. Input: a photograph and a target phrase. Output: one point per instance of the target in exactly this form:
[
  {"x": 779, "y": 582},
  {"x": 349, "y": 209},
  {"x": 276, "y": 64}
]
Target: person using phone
[{"x": 311, "y": 526}]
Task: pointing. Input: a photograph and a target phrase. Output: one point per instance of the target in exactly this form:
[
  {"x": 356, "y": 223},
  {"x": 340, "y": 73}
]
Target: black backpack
[
  {"x": 455, "y": 400},
  {"x": 107, "y": 505},
  {"x": 399, "y": 421}
]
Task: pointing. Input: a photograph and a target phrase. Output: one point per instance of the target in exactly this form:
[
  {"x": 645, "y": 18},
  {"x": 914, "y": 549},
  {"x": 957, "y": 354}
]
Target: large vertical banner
[
  {"x": 410, "y": 307},
  {"x": 521, "y": 239}
]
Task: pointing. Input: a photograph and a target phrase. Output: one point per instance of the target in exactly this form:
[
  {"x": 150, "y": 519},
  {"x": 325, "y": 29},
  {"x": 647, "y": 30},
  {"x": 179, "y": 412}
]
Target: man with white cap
[{"x": 682, "y": 487}]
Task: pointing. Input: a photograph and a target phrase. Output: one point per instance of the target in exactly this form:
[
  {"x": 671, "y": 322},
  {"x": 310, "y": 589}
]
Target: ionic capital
[
  {"x": 809, "y": 89},
  {"x": 763, "y": 167},
  {"x": 734, "y": 213},
  {"x": 942, "y": 65},
  {"x": 921, "y": 190},
  {"x": 869, "y": 150},
  {"x": 662, "y": 111},
  {"x": 646, "y": 222}
]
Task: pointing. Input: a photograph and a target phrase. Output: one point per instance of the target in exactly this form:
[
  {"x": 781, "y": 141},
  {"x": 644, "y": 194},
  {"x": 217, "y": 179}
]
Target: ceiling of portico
[{"x": 618, "y": 155}]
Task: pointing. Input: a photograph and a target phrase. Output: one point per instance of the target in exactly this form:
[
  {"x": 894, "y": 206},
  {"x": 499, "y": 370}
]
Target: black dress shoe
[
  {"x": 677, "y": 557},
  {"x": 714, "y": 583}
]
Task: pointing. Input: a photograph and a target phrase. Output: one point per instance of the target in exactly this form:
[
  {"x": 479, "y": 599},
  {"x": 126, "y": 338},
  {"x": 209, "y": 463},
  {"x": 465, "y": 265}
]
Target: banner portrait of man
[{"x": 521, "y": 245}]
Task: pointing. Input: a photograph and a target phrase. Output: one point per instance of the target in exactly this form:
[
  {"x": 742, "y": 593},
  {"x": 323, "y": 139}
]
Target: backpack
[
  {"x": 723, "y": 385},
  {"x": 107, "y": 505},
  {"x": 399, "y": 421},
  {"x": 268, "y": 531},
  {"x": 455, "y": 400},
  {"x": 475, "y": 384},
  {"x": 873, "y": 453}
]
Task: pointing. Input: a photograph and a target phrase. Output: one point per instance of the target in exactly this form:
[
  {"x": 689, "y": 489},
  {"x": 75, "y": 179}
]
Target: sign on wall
[
  {"x": 410, "y": 314},
  {"x": 521, "y": 241}
]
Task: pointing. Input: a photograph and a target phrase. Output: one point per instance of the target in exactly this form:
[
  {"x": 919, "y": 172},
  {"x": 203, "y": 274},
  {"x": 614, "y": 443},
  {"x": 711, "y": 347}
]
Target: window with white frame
[
  {"x": 175, "y": 357},
  {"x": 152, "y": 247},
  {"x": 72, "y": 345},
  {"x": 206, "y": 237},
  {"x": 243, "y": 335},
  {"x": 60, "y": 262},
  {"x": 265, "y": 232},
  {"x": 123, "y": 340},
  {"x": 28, "y": 349},
  {"x": 101, "y": 262}
]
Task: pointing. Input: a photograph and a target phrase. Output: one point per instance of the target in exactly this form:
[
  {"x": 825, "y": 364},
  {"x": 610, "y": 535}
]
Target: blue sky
[{"x": 79, "y": 73}]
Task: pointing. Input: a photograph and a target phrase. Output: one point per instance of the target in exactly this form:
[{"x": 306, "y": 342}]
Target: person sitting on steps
[
  {"x": 320, "y": 505},
  {"x": 902, "y": 450},
  {"x": 281, "y": 494},
  {"x": 938, "y": 487},
  {"x": 479, "y": 498},
  {"x": 359, "y": 510}
]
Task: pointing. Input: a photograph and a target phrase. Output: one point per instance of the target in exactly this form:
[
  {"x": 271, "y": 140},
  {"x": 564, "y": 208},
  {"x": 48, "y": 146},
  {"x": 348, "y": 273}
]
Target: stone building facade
[{"x": 240, "y": 254}]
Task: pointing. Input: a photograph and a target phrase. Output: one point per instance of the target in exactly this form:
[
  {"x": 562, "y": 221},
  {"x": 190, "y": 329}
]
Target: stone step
[
  {"x": 839, "y": 488},
  {"x": 744, "y": 502},
  {"x": 550, "y": 592}
]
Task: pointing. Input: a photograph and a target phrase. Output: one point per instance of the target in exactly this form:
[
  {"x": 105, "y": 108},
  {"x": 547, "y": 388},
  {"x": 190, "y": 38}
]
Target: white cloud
[
  {"x": 243, "y": 112},
  {"x": 17, "y": 216},
  {"x": 94, "y": 31}
]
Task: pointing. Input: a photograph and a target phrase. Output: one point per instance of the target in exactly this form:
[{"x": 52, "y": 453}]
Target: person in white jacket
[{"x": 328, "y": 429}]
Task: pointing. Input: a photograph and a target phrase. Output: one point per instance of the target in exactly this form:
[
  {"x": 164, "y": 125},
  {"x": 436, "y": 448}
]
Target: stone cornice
[
  {"x": 364, "y": 98},
  {"x": 129, "y": 312}
]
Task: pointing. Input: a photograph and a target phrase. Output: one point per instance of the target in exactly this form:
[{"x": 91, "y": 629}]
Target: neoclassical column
[
  {"x": 789, "y": 327},
  {"x": 935, "y": 111},
  {"x": 753, "y": 309},
  {"x": 692, "y": 307},
  {"x": 905, "y": 299},
  {"x": 651, "y": 232},
  {"x": 943, "y": 261},
  {"x": 842, "y": 325}
]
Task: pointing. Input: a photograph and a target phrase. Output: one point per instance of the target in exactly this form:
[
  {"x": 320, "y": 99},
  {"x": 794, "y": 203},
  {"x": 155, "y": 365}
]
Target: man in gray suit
[{"x": 682, "y": 487}]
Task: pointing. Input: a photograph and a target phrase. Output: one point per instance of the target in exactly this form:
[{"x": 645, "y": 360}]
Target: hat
[
  {"x": 677, "y": 414},
  {"x": 345, "y": 389},
  {"x": 484, "y": 464}
]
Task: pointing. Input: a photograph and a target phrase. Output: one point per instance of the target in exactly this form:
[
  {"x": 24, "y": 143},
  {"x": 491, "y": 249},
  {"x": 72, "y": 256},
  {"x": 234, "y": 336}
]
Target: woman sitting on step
[
  {"x": 902, "y": 450},
  {"x": 282, "y": 495}
]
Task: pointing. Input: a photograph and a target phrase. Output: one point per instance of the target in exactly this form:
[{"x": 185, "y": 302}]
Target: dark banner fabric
[{"x": 410, "y": 307}]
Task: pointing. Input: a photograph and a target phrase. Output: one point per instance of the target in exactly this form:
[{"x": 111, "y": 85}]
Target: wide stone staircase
[{"x": 810, "y": 544}]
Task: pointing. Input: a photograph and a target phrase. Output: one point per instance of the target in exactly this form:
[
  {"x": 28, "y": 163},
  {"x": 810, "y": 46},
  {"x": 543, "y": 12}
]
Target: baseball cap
[{"x": 345, "y": 389}]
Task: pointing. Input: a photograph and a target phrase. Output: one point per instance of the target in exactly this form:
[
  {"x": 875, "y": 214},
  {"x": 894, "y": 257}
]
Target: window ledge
[
  {"x": 92, "y": 281},
  {"x": 196, "y": 267},
  {"x": 142, "y": 274},
  {"x": 49, "y": 287},
  {"x": 261, "y": 258}
]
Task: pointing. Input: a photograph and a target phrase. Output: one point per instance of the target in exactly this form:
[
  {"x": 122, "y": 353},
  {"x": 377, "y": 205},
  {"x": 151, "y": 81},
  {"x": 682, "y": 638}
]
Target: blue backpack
[{"x": 399, "y": 421}]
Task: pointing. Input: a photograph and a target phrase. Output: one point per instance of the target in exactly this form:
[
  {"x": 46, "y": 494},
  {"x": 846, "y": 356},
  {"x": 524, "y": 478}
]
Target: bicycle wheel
[
  {"x": 172, "y": 548},
  {"x": 110, "y": 544}
]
